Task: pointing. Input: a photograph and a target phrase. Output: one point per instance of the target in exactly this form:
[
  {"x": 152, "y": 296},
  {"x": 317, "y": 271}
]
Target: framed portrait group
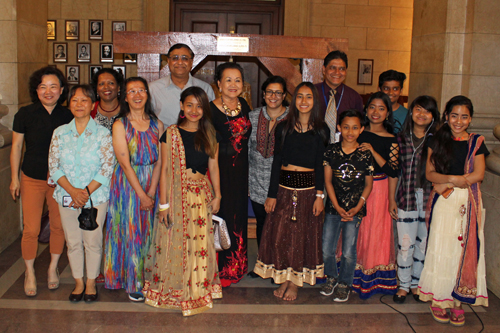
[
  {"x": 72, "y": 29},
  {"x": 83, "y": 52},
  {"x": 83, "y": 48}
]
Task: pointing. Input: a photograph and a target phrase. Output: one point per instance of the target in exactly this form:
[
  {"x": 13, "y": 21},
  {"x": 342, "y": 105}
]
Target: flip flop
[
  {"x": 454, "y": 318},
  {"x": 439, "y": 316}
]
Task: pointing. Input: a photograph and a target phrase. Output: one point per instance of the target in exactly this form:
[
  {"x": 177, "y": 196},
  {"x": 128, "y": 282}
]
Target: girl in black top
[
  {"x": 376, "y": 263},
  {"x": 181, "y": 268},
  {"x": 34, "y": 124},
  {"x": 290, "y": 250},
  {"x": 454, "y": 270}
]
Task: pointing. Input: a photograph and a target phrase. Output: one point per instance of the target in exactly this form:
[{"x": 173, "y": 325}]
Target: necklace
[
  {"x": 461, "y": 138},
  {"x": 228, "y": 111},
  {"x": 100, "y": 106}
]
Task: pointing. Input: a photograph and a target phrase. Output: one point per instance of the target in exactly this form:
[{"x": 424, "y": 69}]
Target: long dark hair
[
  {"x": 315, "y": 119},
  {"x": 125, "y": 109},
  {"x": 205, "y": 135},
  {"x": 389, "y": 120},
  {"x": 442, "y": 154},
  {"x": 36, "y": 78},
  {"x": 429, "y": 103}
]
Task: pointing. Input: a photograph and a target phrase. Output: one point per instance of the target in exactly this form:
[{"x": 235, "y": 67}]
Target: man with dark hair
[
  {"x": 334, "y": 95},
  {"x": 166, "y": 92}
]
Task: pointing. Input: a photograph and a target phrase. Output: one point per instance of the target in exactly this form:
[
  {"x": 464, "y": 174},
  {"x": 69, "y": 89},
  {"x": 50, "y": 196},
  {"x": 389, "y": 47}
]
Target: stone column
[
  {"x": 23, "y": 26},
  {"x": 455, "y": 46}
]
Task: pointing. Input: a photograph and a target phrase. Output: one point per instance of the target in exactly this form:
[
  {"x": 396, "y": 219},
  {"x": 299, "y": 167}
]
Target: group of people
[{"x": 184, "y": 155}]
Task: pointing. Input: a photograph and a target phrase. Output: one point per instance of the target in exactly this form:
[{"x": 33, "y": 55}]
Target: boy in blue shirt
[
  {"x": 391, "y": 83},
  {"x": 348, "y": 182}
]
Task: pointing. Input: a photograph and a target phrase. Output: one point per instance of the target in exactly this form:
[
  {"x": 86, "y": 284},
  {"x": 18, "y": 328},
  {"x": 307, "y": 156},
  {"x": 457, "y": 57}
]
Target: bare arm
[
  {"x": 450, "y": 180},
  {"x": 163, "y": 181},
  {"x": 213, "y": 166},
  {"x": 123, "y": 156},
  {"x": 157, "y": 168},
  {"x": 15, "y": 162},
  {"x": 366, "y": 192},
  {"x": 331, "y": 191}
]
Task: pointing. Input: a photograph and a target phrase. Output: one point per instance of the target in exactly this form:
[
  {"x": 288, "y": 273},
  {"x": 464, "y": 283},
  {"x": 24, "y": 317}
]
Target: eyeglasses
[
  {"x": 182, "y": 58},
  {"x": 274, "y": 92},
  {"x": 138, "y": 91}
]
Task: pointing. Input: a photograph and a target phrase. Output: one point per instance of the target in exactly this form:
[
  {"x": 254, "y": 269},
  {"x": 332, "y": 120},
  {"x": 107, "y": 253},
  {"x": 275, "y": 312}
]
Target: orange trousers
[{"x": 34, "y": 192}]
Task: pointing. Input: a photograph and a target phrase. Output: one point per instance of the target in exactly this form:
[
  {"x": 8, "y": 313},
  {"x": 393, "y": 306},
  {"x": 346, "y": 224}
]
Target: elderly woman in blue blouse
[{"x": 81, "y": 161}]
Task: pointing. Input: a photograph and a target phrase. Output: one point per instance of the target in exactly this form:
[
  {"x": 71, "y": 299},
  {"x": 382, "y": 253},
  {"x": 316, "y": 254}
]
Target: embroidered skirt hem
[{"x": 443, "y": 253}]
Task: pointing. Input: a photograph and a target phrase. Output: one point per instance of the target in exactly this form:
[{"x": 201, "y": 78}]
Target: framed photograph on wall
[
  {"x": 73, "y": 74},
  {"x": 119, "y": 26},
  {"x": 365, "y": 72},
  {"x": 130, "y": 58},
  {"x": 120, "y": 69},
  {"x": 51, "y": 30},
  {"x": 72, "y": 29},
  {"x": 83, "y": 52},
  {"x": 95, "y": 29},
  {"x": 106, "y": 52},
  {"x": 60, "y": 52},
  {"x": 93, "y": 69}
]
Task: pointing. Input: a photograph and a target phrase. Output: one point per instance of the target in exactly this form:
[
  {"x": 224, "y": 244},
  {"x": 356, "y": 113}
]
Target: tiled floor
[{"x": 248, "y": 306}]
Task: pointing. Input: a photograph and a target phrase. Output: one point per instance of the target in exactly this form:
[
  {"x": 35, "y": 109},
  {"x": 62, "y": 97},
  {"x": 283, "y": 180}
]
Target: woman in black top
[
  {"x": 181, "y": 268},
  {"x": 34, "y": 124},
  {"x": 290, "y": 249},
  {"x": 230, "y": 118}
]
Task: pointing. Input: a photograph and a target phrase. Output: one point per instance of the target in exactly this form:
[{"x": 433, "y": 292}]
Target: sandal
[
  {"x": 440, "y": 315},
  {"x": 54, "y": 284},
  {"x": 457, "y": 317},
  {"x": 29, "y": 291}
]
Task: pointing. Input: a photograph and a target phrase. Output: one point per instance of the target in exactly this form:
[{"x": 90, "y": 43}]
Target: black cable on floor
[
  {"x": 482, "y": 329},
  {"x": 402, "y": 313}
]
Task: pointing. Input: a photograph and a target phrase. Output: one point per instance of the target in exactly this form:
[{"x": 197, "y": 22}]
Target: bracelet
[
  {"x": 163, "y": 207},
  {"x": 362, "y": 197},
  {"x": 218, "y": 198}
]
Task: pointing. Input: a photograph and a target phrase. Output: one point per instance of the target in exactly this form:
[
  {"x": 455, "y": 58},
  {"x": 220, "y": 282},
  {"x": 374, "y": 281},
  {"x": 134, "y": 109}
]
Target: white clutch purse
[{"x": 222, "y": 240}]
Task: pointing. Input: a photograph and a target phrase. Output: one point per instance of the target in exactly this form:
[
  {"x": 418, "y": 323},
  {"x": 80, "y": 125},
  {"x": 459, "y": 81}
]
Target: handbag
[
  {"x": 222, "y": 240},
  {"x": 88, "y": 216}
]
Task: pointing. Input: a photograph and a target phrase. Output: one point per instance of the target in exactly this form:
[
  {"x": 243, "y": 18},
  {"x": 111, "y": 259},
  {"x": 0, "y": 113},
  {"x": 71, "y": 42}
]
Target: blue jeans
[{"x": 331, "y": 233}]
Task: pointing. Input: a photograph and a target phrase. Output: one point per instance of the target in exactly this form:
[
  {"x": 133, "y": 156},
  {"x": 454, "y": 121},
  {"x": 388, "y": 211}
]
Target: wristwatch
[{"x": 322, "y": 195}]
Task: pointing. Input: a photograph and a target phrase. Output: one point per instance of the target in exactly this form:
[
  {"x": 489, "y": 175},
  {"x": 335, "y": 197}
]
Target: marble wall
[{"x": 376, "y": 29}]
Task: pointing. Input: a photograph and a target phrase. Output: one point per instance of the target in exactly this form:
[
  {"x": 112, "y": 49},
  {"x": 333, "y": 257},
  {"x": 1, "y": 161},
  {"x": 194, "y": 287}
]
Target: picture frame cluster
[{"x": 73, "y": 32}]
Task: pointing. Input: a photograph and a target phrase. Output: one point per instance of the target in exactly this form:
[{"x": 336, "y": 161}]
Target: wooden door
[{"x": 246, "y": 18}]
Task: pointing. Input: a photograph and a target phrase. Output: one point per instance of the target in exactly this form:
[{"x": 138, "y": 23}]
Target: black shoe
[
  {"x": 91, "y": 298},
  {"x": 253, "y": 275},
  {"x": 417, "y": 297},
  {"x": 399, "y": 299},
  {"x": 76, "y": 297}
]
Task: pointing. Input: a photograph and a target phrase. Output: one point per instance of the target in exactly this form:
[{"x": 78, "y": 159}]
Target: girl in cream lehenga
[{"x": 181, "y": 267}]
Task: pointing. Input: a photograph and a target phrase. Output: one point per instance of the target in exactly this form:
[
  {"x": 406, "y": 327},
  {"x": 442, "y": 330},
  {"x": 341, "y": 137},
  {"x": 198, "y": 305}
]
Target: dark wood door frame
[{"x": 272, "y": 51}]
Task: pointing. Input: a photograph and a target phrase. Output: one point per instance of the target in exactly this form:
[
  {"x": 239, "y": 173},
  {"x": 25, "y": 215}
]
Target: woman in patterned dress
[
  {"x": 136, "y": 135},
  {"x": 181, "y": 267}
]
